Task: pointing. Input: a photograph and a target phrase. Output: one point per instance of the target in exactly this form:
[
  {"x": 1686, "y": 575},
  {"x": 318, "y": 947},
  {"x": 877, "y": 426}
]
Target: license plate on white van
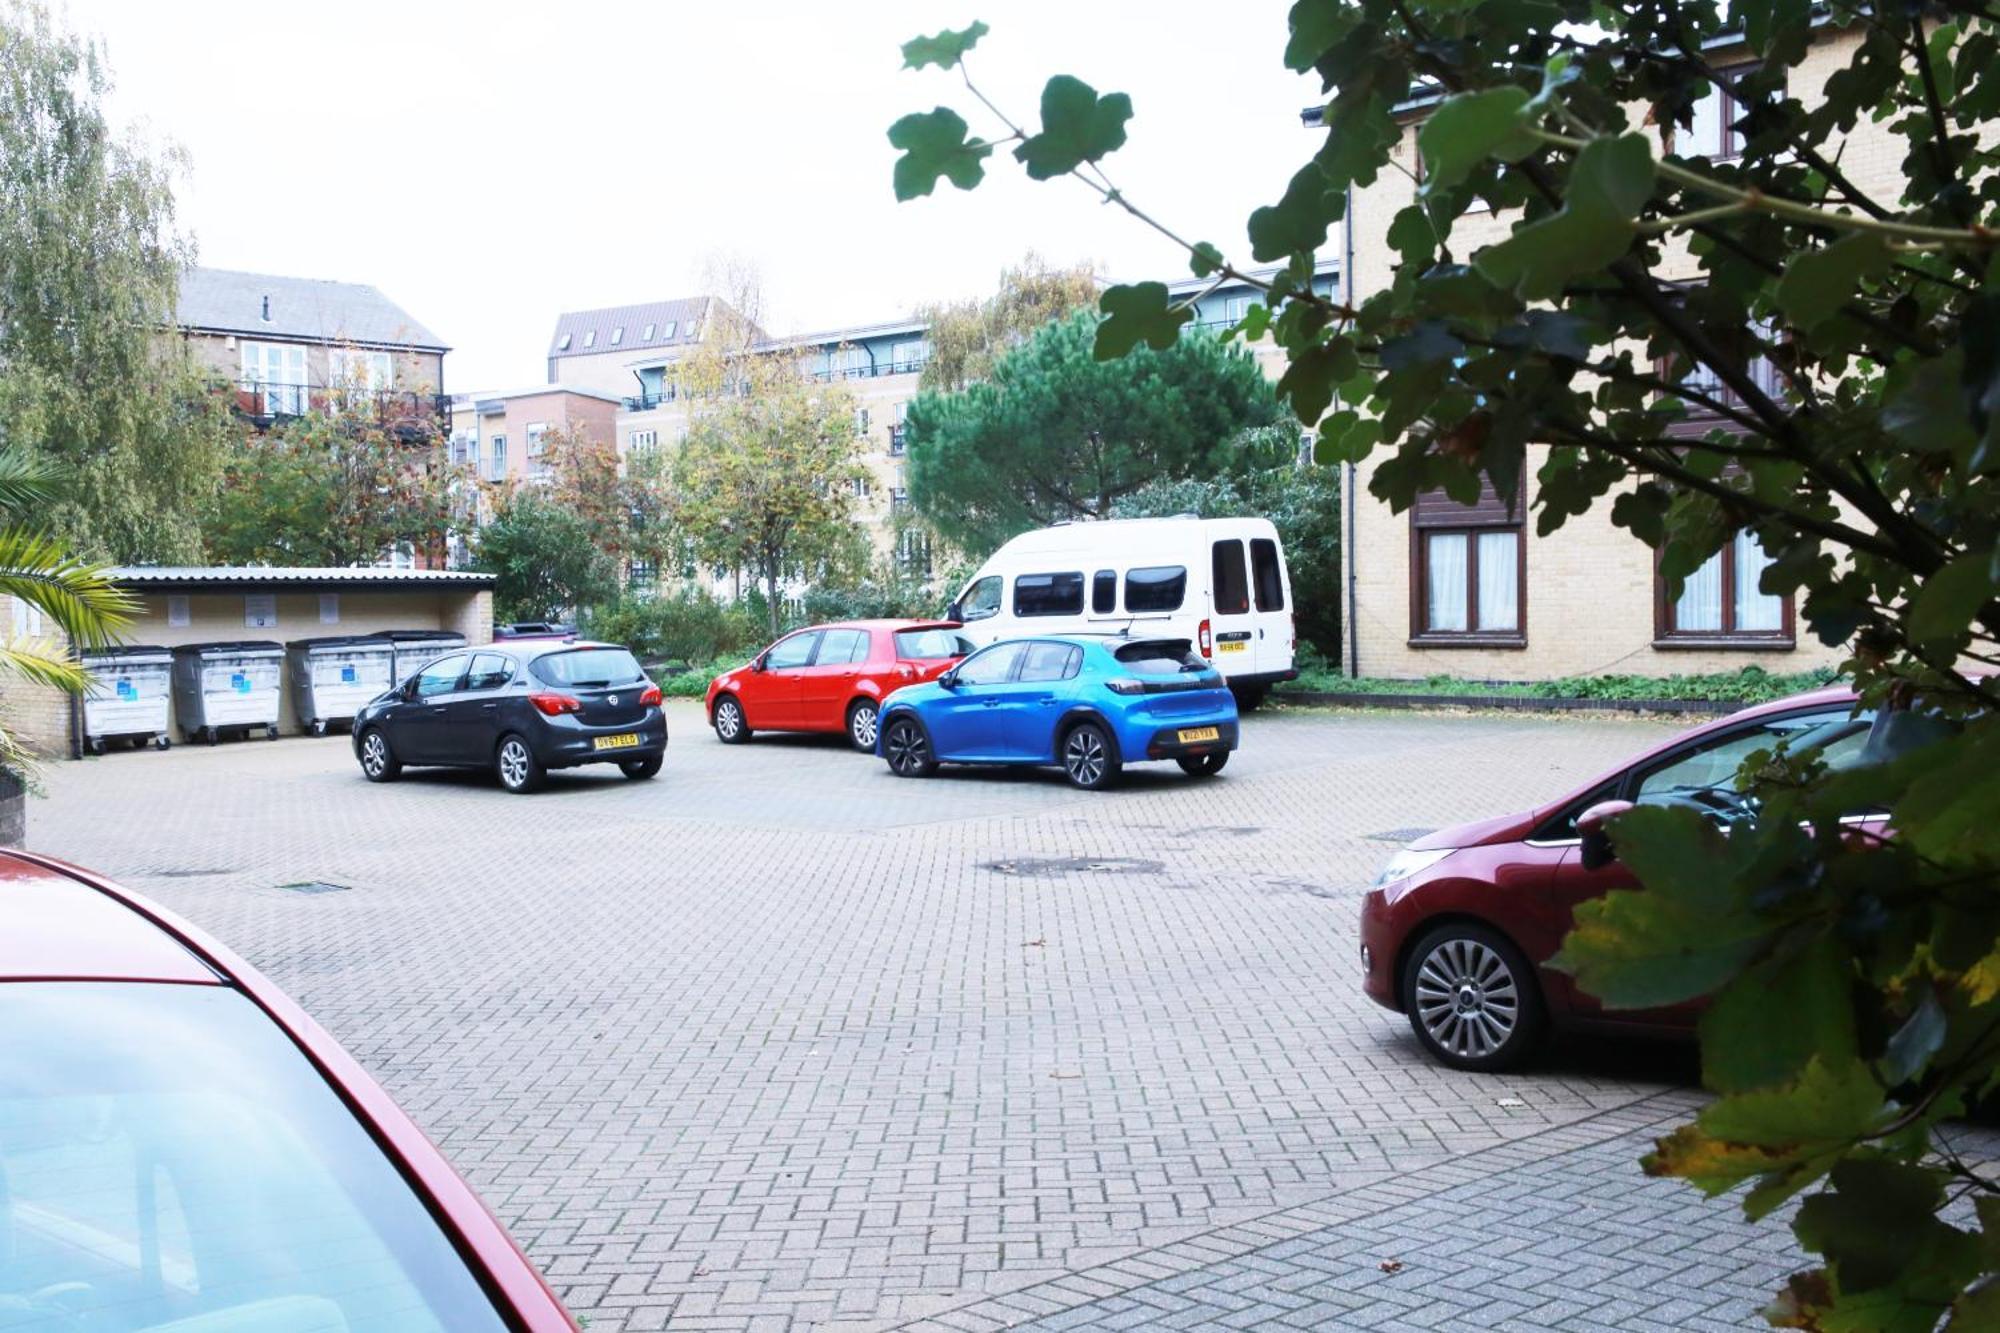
[{"x": 1236, "y": 646}]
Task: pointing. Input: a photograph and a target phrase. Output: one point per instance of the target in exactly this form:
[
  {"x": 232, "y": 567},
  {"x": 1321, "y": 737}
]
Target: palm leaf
[
  {"x": 78, "y": 596},
  {"x": 26, "y": 480},
  {"x": 43, "y": 662}
]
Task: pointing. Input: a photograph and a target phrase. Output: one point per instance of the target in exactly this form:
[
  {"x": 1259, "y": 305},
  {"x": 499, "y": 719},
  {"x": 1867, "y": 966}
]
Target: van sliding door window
[
  {"x": 1104, "y": 592},
  {"x": 1264, "y": 573},
  {"x": 1231, "y": 586},
  {"x": 1049, "y": 594},
  {"x": 1159, "y": 588}
]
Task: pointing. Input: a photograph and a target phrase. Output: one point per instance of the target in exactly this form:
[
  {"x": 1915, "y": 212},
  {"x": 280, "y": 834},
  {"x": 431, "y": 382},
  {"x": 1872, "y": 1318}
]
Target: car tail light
[
  {"x": 1205, "y": 640},
  {"x": 552, "y": 705},
  {"x": 1125, "y": 685},
  {"x": 651, "y": 697}
]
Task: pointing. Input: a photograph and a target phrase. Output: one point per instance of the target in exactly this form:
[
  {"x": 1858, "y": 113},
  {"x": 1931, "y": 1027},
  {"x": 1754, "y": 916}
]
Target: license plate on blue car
[{"x": 1193, "y": 735}]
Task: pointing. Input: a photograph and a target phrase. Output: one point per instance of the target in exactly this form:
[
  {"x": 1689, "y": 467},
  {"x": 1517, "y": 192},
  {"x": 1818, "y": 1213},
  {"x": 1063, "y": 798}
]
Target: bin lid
[
  {"x": 340, "y": 642},
  {"x": 127, "y": 654},
  {"x": 231, "y": 648},
  {"x": 452, "y": 637}
]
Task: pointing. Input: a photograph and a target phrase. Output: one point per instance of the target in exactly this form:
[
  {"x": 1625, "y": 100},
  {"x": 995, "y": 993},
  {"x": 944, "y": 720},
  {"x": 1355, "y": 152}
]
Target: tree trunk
[{"x": 771, "y": 595}]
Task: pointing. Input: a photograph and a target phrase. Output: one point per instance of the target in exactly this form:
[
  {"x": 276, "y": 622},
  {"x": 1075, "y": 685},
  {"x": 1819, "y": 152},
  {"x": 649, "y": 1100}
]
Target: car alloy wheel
[
  {"x": 519, "y": 770},
  {"x": 861, "y": 723},
  {"x": 377, "y": 764},
  {"x": 729, "y": 728},
  {"x": 1087, "y": 758},
  {"x": 908, "y": 749},
  {"x": 1472, "y": 999}
]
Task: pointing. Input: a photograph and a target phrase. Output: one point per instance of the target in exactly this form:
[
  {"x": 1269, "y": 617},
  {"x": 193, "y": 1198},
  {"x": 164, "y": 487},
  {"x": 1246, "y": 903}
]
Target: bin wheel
[
  {"x": 319, "y": 726},
  {"x": 163, "y": 742},
  {"x": 97, "y": 745},
  {"x": 208, "y": 735},
  {"x": 270, "y": 733}
]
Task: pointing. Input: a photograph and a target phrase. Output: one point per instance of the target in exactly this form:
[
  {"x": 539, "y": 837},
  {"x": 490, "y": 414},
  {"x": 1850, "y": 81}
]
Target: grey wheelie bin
[
  {"x": 230, "y": 686},
  {"x": 418, "y": 648},
  {"x": 131, "y": 688},
  {"x": 334, "y": 677}
]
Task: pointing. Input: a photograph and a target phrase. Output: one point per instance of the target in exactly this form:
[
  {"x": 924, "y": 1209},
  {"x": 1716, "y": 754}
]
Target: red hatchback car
[
  {"x": 831, "y": 678},
  {"x": 183, "y": 1150},
  {"x": 1459, "y": 927}
]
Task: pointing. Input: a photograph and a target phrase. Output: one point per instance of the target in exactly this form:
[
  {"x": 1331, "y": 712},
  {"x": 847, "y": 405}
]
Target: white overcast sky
[{"x": 489, "y": 165}]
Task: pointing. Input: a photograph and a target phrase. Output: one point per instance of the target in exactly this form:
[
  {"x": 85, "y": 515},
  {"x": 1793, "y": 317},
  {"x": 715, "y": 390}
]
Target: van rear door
[
  {"x": 1233, "y": 627},
  {"x": 1270, "y": 605}
]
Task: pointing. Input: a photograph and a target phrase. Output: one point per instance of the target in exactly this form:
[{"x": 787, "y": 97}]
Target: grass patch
[{"x": 1751, "y": 685}]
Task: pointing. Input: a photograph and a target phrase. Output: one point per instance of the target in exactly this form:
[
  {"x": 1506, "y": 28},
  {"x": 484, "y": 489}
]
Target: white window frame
[{"x": 259, "y": 358}]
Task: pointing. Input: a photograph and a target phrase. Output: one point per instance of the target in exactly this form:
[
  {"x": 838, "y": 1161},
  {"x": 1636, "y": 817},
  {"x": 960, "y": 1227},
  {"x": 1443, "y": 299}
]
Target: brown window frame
[
  {"x": 1669, "y": 637},
  {"x": 1433, "y": 514},
  {"x": 1731, "y": 112}
]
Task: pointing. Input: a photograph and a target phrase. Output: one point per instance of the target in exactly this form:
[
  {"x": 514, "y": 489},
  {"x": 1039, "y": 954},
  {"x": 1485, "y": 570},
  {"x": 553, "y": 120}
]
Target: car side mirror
[
  {"x": 1595, "y": 850},
  {"x": 757, "y": 662},
  {"x": 949, "y": 680},
  {"x": 953, "y": 612},
  {"x": 407, "y": 690}
]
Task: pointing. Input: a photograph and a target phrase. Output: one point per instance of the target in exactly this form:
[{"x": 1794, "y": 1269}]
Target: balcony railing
[
  {"x": 874, "y": 370},
  {"x": 266, "y": 402},
  {"x": 652, "y": 398}
]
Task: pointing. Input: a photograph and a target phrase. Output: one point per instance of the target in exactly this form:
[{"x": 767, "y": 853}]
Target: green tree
[
  {"x": 90, "y": 381},
  {"x": 766, "y": 480},
  {"x": 1865, "y": 465},
  {"x": 341, "y": 487},
  {"x": 967, "y": 337},
  {"x": 1302, "y": 502},
  {"x": 548, "y": 559},
  {"x": 1057, "y": 434}
]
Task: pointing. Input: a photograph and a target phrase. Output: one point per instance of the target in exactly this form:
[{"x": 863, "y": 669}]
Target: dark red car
[
  {"x": 182, "y": 1148},
  {"x": 831, "y": 678},
  {"x": 1459, "y": 927}
]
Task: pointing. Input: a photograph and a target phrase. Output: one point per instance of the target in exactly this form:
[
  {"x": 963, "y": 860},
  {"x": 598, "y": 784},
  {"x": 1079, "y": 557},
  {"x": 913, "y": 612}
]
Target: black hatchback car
[{"x": 520, "y": 709}]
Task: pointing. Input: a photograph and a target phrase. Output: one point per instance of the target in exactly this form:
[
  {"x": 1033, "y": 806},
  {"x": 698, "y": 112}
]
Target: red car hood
[{"x": 1498, "y": 828}]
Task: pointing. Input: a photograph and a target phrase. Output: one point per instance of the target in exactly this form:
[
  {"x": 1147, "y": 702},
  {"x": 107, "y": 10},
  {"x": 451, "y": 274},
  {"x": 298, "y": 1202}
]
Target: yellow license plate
[
  {"x": 1233, "y": 646},
  {"x": 625, "y": 742},
  {"x": 1189, "y": 735}
]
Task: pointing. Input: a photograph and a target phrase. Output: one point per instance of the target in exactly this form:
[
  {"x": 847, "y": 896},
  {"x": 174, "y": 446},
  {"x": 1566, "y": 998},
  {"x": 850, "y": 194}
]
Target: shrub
[{"x": 689, "y": 627}]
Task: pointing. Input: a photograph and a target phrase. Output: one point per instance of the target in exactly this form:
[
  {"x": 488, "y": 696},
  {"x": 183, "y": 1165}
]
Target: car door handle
[
  {"x": 437, "y": 710},
  {"x": 493, "y": 707}
]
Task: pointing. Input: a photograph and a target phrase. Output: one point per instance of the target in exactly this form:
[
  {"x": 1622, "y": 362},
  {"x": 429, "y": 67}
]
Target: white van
[{"x": 1219, "y": 583}]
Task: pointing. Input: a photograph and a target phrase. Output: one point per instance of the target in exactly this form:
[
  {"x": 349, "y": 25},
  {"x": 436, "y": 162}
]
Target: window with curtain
[
  {"x": 1722, "y": 601},
  {"x": 1467, "y": 571}
]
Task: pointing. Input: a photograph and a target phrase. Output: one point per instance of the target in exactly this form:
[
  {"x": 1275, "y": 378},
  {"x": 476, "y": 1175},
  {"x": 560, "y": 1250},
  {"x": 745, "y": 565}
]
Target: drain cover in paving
[
  {"x": 1399, "y": 834},
  {"x": 1045, "y": 866},
  {"x": 315, "y": 886}
]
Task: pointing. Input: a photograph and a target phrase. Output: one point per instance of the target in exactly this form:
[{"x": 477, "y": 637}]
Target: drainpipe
[{"x": 1350, "y": 629}]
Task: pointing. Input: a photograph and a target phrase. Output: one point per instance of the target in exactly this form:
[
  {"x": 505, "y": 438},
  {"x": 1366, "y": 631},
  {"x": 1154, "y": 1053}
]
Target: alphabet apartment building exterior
[{"x": 1444, "y": 589}]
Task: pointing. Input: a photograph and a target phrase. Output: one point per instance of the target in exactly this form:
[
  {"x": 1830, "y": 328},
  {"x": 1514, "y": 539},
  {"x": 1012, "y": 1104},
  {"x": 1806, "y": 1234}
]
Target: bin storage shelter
[
  {"x": 129, "y": 697},
  {"x": 333, "y": 677},
  {"x": 227, "y": 687}
]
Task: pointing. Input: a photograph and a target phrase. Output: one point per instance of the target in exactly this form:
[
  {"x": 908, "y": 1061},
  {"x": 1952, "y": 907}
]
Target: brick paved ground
[{"x": 779, "y": 1040}]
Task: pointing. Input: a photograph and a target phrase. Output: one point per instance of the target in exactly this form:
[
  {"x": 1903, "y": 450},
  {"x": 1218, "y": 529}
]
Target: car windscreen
[
  {"x": 918, "y": 644},
  {"x": 588, "y": 667},
  {"x": 1161, "y": 657},
  {"x": 168, "y": 1154}
]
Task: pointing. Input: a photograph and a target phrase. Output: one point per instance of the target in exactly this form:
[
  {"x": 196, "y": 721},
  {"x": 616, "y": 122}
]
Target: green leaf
[
  {"x": 1879, "y": 1220},
  {"x": 1681, "y": 936},
  {"x": 1466, "y": 130},
  {"x": 1948, "y": 600},
  {"x": 1297, "y": 223},
  {"x": 1309, "y": 380},
  {"x": 1834, "y": 1102},
  {"x": 1316, "y": 25},
  {"x": 944, "y": 50},
  {"x": 1742, "y": 1049},
  {"x": 1608, "y": 185},
  {"x": 1078, "y": 126},
  {"x": 1205, "y": 259},
  {"x": 1136, "y": 313},
  {"x": 1922, "y": 405},
  {"x": 1911, "y": 1048},
  {"x": 1818, "y": 282},
  {"x": 934, "y": 144}
]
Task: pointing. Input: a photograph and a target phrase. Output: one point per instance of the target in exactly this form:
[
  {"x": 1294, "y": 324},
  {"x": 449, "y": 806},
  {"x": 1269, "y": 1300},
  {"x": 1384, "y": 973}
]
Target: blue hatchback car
[{"x": 1088, "y": 704}]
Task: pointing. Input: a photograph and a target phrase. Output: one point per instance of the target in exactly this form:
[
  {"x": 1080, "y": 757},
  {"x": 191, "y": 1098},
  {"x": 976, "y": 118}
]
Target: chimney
[{"x": 267, "y": 309}]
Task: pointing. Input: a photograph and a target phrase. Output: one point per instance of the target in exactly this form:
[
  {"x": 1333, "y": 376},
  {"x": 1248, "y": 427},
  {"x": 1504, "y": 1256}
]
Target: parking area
[{"x": 779, "y": 1040}]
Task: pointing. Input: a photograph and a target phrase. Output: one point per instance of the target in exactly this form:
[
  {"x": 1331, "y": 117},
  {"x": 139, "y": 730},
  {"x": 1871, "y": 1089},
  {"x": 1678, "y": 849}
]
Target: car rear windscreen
[
  {"x": 587, "y": 667},
  {"x": 918, "y": 644},
  {"x": 1161, "y": 657}
]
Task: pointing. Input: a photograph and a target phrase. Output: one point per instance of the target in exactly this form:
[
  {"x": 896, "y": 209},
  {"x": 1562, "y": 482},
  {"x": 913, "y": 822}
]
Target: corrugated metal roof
[
  {"x": 266, "y": 575},
  {"x": 229, "y": 301},
  {"x": 588, "y": 332}
]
